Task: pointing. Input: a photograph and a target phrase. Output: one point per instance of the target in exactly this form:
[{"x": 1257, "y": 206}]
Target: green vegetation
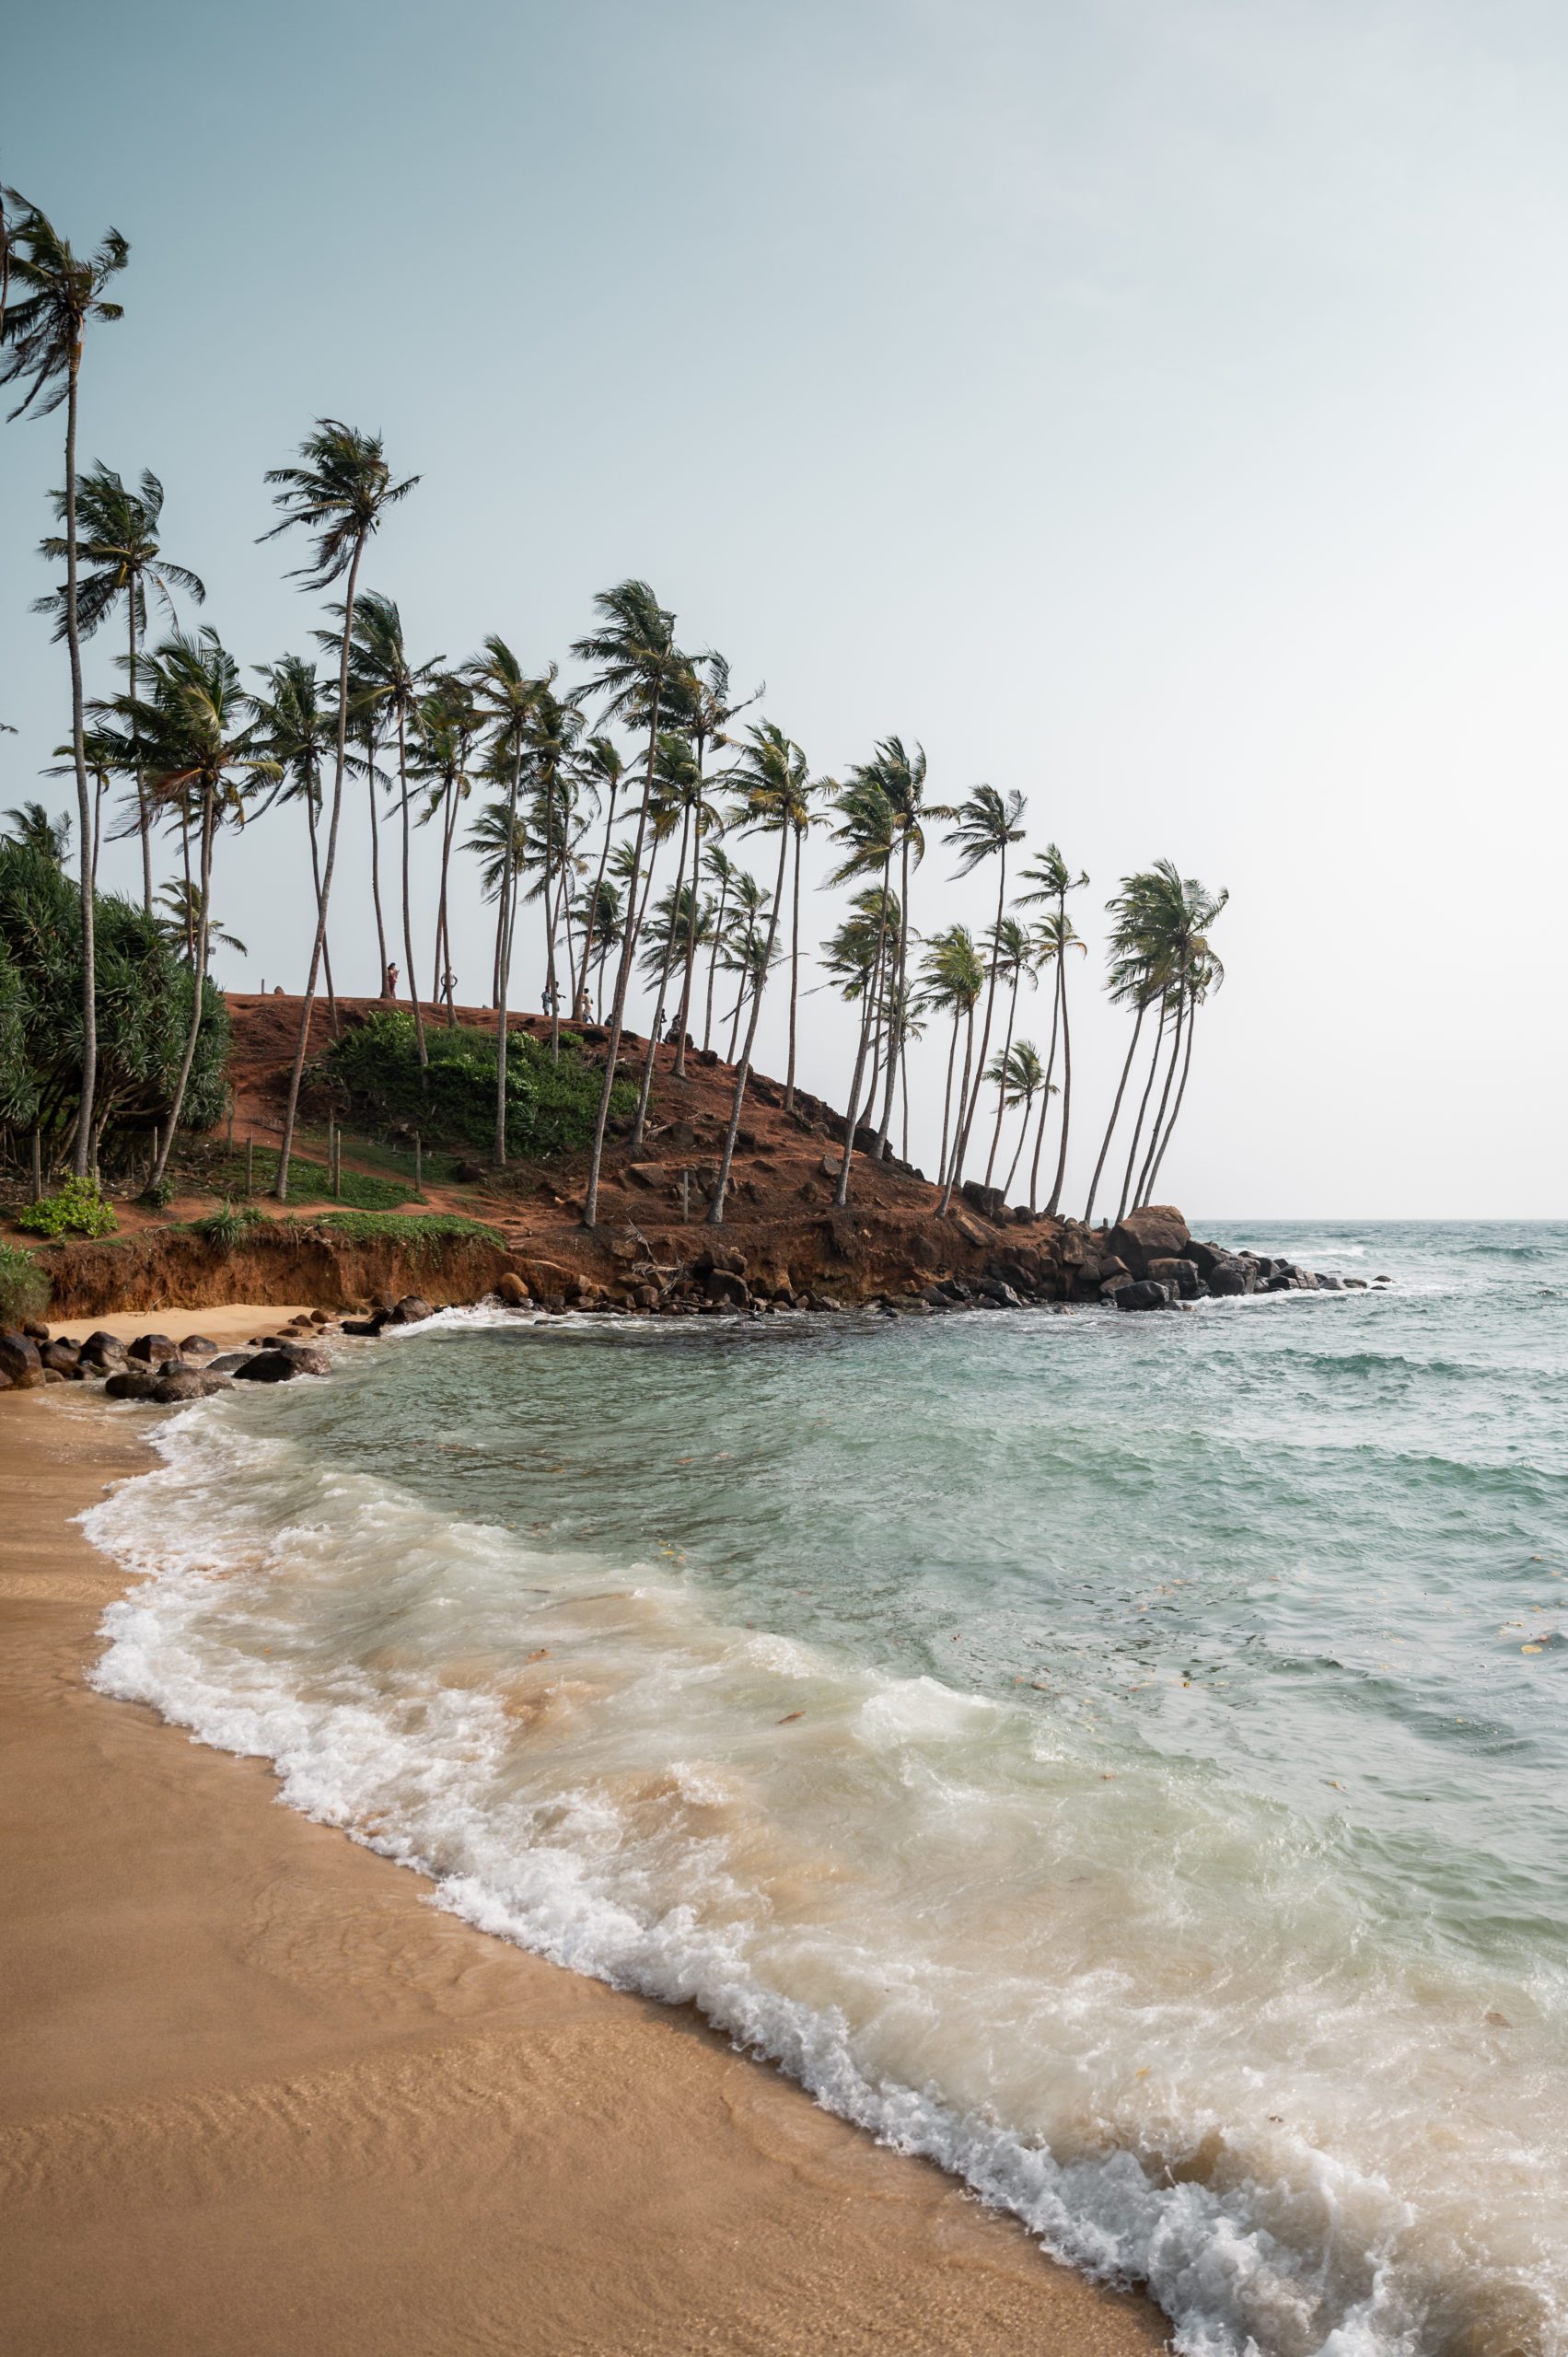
[
  {"x": 550, "y": 1105},
  {"x": 362, "y": 1189},
  {"x": 417, "y": 1233},
  {"x": 24, "y": 1288},
  {"x": 77, "y": 1209},
  {"x": 229, "y": 1224},
  {"x": 144, "y": 1002}
]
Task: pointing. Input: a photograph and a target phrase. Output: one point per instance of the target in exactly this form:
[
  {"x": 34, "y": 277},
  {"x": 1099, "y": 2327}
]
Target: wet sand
[{"x": 258, "y": 2098}]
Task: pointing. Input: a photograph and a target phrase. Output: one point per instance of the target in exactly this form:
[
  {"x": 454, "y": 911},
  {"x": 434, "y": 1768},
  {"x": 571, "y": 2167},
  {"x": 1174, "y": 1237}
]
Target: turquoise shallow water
[{"x": 1121, "y": 1757}]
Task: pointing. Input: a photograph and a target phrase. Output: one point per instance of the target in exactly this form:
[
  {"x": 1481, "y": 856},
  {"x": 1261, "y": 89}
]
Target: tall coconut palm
[
  {"x": 634, "y": 659},
  {"x": 952, "y": 976},
  {"x": 1130, "y": 982},
  {"x": 203, "y": 741},
  {"x": 719, "y": 868},
  {"x": 899, "y": 775},
  {"x": 1050, "y": 879},
  {"x": 340, "y": 494},
  {"x": 771, "y": 779},
  {"x": 1182, "y": 913},
  {"x": 1013, "y": 950},
  {"x": 678, "y": 776},
  {"x": 868, "y": 830},
  {"x": 381, "y": 672},
  {"x": 33, "y": 828},
  {"x": 1205, "y": 973},
  {"x": 987, "y": 826},
  {"x": 603, "y": 770},
  {"x": 185, "y": 915},
  {"x": 117, "y": 532},
  {"x": 507, "y": 696},
  {"x": 53, "y": 298},
  {"x": 445, "y": 726},
  {"x": 300, "y": 726},
  {"x": 703, "y": 707},
  {"x": 554, "y": 732}
]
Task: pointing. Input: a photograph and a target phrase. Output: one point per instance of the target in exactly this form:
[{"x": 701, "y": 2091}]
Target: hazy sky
[{"x": 1160, "y": 407}]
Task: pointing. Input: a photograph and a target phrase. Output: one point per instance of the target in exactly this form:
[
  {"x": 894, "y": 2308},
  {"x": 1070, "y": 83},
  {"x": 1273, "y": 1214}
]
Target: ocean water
[{"x": 1122, "y": 1758}]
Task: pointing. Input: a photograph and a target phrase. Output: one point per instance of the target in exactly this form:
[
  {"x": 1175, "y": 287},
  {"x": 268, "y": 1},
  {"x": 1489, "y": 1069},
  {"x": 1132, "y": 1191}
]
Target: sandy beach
[{"x": 260, "y": 2098}]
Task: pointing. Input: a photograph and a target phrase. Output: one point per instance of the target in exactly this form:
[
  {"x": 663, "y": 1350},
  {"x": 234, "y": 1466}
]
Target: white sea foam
[{"x": 1155, "y": 2030}]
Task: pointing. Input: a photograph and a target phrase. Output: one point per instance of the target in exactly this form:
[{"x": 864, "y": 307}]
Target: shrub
[
  {"x": 77, "y": 1209},
  {"x": 229, "y": 1224},
  {"x": 158, "y": 1193},
  {"x": 551, "y": 1107},
  {"x": 24, "y": 1288}
]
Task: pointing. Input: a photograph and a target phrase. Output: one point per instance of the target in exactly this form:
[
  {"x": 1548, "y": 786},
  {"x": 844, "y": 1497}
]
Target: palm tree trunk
[
  {"x": 716, "y": 1209},
  {"x": 961, "y": 1148},
  {"x": 1176, "y": 1109},
  {"x": 1045, "y": 1090},
  {"x": 896, "y": 1012},
  {"x": 144, "y": 817},
  {"x": 407, "y": 906},
  {"x": 599, "y": 886},
  {"x": 950, "y": 1167},
  {"x": 1115, "y": 1116},
  {"x": 1143, "y": 1194},
  {"x": 794, "y": 970},
  {"x": 948, "y": 1095},
  {"x": 841, "y": 1192},
  {"x": 1066, "y": 1089},
  {"x": 198, "y": 980},
  {"x": 280, "y": 1186},
  {"x": 449, "y": 836},
  {"x": 82, "y": 1154},
  {"x": 712, "y": 965},
  {"x": 690, "y": 961},
  {"x": 503, "y": 959},
  {"x": 1143, "y": 1109},
  {"x": 740, "y": 1001},
  {"x": 1002, "y": 1091},
  {"x": 551, "y": 985},
  {"x": 622, "y": 977},
  {"x": 376, "y": 867},
  {"x": 647, "y": 1089},
  {"x": 1018, "y": 1151}
]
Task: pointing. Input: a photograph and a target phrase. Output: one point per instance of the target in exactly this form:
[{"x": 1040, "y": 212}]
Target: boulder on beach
[
  {"x": 511, "y": 1289},
  {"x": 190, "y": 1383},
  {"x": 1145, "y": 1293},
  {"x": 153, "y": 1349},
  {"x": 1158, "y": 1232},
  {"x": 269, "y": 1367},
  {"x": 133, "y": 1383},
  {"x": 19, "y": 1360}
]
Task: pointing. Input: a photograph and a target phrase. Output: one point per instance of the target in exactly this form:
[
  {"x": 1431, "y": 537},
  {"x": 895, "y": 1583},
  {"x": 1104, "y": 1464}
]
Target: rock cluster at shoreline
[{"x": 155, "y": 1366}]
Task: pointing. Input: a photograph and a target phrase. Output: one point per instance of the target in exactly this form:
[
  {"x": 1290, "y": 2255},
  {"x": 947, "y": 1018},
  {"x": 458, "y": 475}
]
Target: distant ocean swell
[{"x": 1179, "y": 2027}]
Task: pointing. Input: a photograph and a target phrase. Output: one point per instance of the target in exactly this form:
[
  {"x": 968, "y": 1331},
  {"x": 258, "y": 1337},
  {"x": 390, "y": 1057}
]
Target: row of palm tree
[{"x": 574, "y": 825}]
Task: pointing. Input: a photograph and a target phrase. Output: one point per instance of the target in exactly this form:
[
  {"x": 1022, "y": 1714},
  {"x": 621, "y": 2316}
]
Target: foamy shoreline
[{"x": 258, "y": 2093}]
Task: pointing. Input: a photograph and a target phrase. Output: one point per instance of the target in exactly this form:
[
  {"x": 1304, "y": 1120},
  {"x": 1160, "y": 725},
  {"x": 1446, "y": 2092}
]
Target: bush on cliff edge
[{"x": 550, "y": 1107}]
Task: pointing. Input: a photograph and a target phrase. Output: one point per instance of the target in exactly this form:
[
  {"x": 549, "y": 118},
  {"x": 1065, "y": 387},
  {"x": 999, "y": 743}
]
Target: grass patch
[
  {"x": 230, "y": 1225},
  {"x": 419, "y": 1234},
  {"x": 361, "y": 1190},
  {"x": 24, "y": 1288},
  {"x": 551, "y": 1108}
]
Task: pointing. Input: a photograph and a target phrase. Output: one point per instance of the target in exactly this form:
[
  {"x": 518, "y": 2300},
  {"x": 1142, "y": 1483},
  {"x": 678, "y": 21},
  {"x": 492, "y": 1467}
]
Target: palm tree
[
  {"x": 952, "y": 976},
  {"x": 33, "y": 828},
  {"x": 703, "y": 709},
  {"x": 1014, "y": 950},
  {"x": 634, "y": 658},
  {"x": 44, "y": 333},
  {"x": 1053, "y": 937},
  {"x": 446, "y": 726},
  {"x": 1205, "y": 973},
  {"x": 602, "y": 769},
  {"x": 117, "y": 536},
  {"x": 183, "y": 917},
  {"x": 987, "y": 825},
  {"x": 900, "y": 776},
  {"x": 506, "y": 697},
  {"x": 868, "y": 828},
  {"x": 1182, "y": 912},
  {"x": 678, "y": 776},
  {"x": 1050, "y": 879},
  {"x": 202, "y": 742},
  {"x": 775, "y": 792},
  {"x": 1019, "y": 1077},
  {"x": 598, "y": 912},
  {"x": 381, "y": 673},
  {"x": 1130, "y": 982},
  {"x": 555, "y": 730},
  {"x": 300, "y": 727},
  {"x": 340, "y": 494},
  {"x": 718, "y": 866}
]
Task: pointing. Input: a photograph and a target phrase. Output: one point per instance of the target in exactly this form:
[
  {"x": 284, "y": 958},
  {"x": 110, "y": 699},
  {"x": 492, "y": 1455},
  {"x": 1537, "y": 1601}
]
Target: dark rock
[
  {"x": 1207, "y": 1258},
  {"x": 1329, "y": 1284},
  {"x": 1355, "y": 1284},
  {"x": 1111, "y": 1286},
  {"x": 989, "y": 1201},
  {"x": 190, "y": 1383},
  {"x": 1227, "y": 1277},
  {"x": 1181, "y": 1275},
  {"x": 20, "y": 1361},
  {"x": 268, "y": 1367},
  {"x": 467, "y": 1172},
  {"x": 412, "y": 1310},
  {"x": 1279, "y": 1283},
  {"x": 197, "y": 1346},
  {"x": 368, "y": 1325},
  {"x": 307, "y": 1360},
  {"x": 103, "y": 1345},
  {"x": 35, "y": 1330},
  {"x": 724, "y": 1290},
  {"x": 1145, "y": 1293},
  {"x": 153, "y": 1349},
  {"x": 227, "y": 1362},
  {"x": 1158, "y": 1232},
  {"x": 994, "y": 1290},
  {"x": 65, "y": 1360},
  {"x": 133, "y": 1383}
]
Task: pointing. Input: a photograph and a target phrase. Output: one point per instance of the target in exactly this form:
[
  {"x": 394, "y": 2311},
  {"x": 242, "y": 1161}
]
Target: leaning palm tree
[
  {"x": 117, "y": 533},
  {"x": 703, "y": 708},
  {"x": 679, "y": 777},
  {"x": 869, "y": 830},
  {"x": 1185, "y": 912},
  {"x": 719, "y": 868},
  {"x": 601, "y": 769},
  {"x": 300, "y": 726},
  {"x": 45, "y": 328},
  {"x": 33, "y": 828},
  {"x": 634, "y": 659},
  {"x": 555, "y": 728},
  {"x": 204, "y": 744},
  {"x": 381, "y": 673},
  {"x": 898, "y": 775},
  {"x": 339, "y": 495},
  {"x": 987, "y": 825},
  {"x": 772, "y": 782},
  {"x": 1130, "y": 980},
  {"x": 1049, "y": 878},
  {"x": 446, "y": 725}
]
